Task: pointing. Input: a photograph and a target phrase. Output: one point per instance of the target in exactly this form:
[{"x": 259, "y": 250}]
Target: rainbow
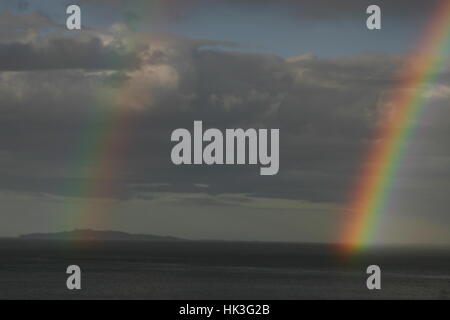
[
  {"x": 371, "y": 191},
  {"x": 99, "y": 154},
  {"x": 98, "y": 158}
]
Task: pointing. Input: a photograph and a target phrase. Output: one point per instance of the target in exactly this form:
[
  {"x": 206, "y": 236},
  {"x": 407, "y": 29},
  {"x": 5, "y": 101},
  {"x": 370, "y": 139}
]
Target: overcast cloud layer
[{"x": 57, "y": 91}]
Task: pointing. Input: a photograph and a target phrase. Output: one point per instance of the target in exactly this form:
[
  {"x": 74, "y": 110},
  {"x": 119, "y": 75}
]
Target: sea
[{"x": 36, "y": 269}]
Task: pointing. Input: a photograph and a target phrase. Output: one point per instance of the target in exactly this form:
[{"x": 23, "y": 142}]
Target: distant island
[{"x": 97, "y": 235}]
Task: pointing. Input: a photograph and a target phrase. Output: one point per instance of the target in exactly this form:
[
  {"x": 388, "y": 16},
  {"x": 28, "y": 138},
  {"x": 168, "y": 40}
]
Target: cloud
[
  {"x": 87, "y": 116},
  {"x": 60, "y": 90},
  {"x": 22, "y": 27},
  {"x": 63, "y": 53}
]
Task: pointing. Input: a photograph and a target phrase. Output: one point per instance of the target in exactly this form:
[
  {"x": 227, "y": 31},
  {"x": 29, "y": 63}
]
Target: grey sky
[{"x": 323, "y": 86}]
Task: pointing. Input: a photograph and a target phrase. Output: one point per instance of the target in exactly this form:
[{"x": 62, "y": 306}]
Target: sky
[{"x": 86, "y": 117}]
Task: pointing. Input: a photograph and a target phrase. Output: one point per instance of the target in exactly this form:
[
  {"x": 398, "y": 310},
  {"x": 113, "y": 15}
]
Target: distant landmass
[{"x": 87, "y": 234}]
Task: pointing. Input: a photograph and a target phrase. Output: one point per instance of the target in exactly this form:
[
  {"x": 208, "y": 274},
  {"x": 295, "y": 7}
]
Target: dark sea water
[{"x": 216, "y": 270}]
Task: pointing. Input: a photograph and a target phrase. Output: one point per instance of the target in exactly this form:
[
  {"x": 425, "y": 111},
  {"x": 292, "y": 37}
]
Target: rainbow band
[
  {"x": 98, "y": 157},
  {"x": 377, "y": 176}
]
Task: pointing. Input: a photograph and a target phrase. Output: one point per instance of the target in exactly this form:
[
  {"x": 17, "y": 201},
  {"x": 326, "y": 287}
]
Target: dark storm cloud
[
  {"x": 326, "y": 110},
  {"x": 63, "y": 53}
]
